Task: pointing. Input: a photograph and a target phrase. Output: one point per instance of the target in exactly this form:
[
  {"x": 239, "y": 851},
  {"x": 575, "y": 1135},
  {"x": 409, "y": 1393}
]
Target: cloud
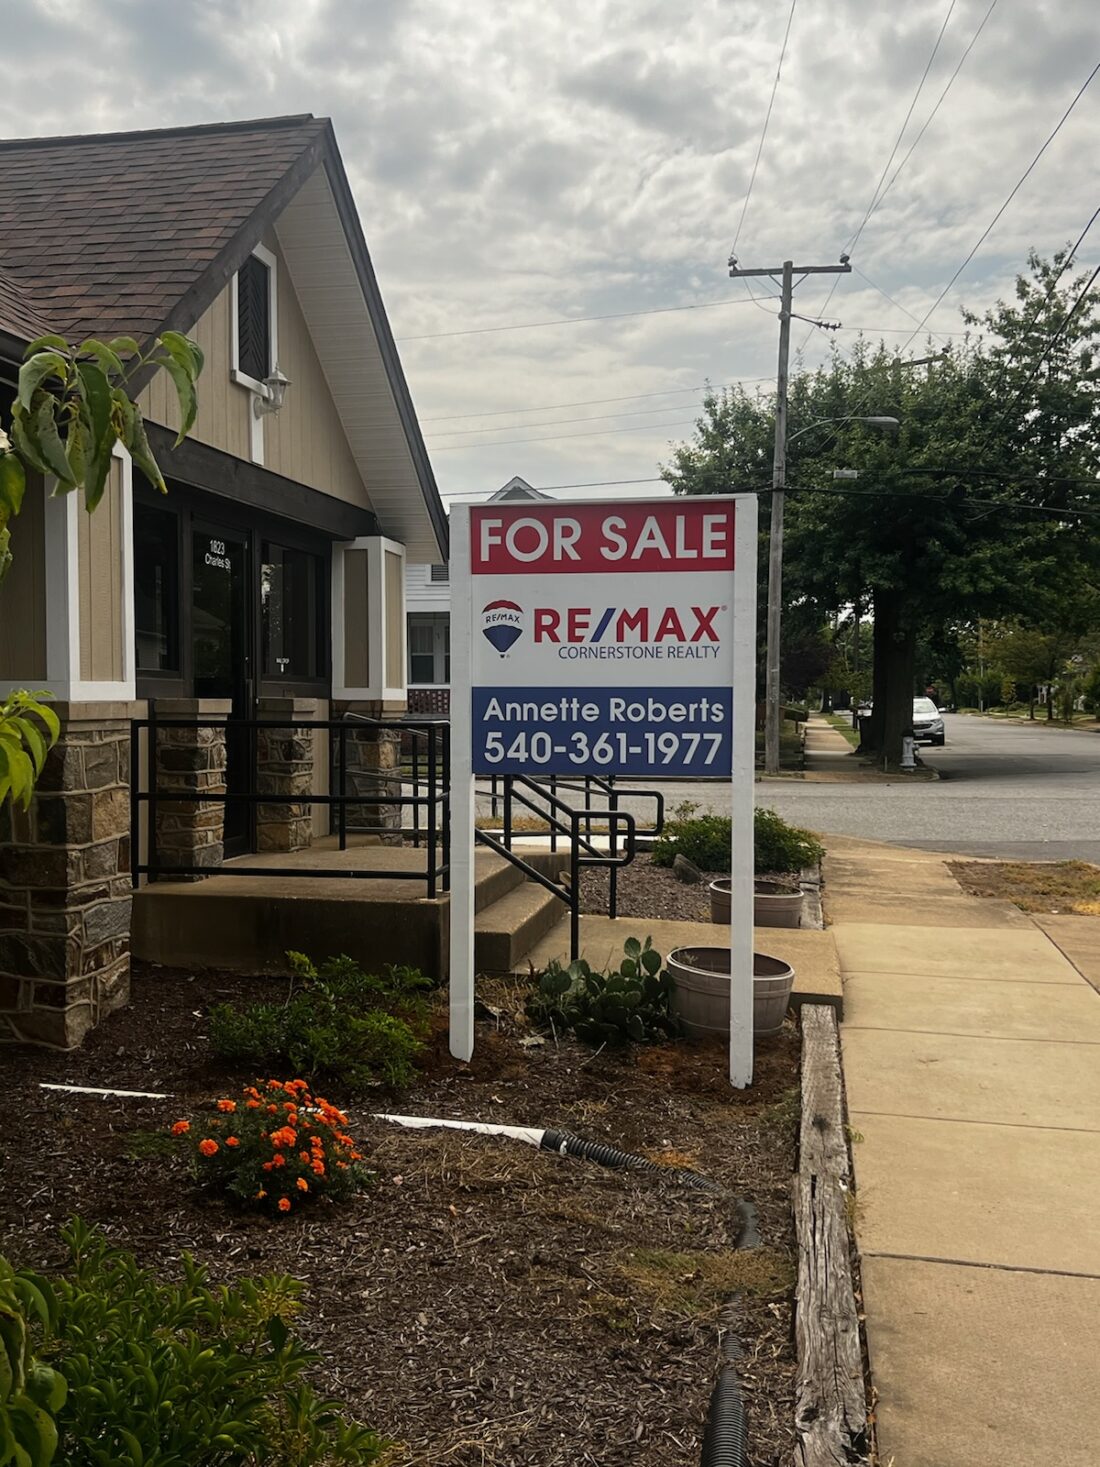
[{"x": 524, "y": 162}]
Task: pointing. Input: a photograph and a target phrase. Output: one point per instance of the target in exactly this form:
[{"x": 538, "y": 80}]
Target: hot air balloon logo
[{"x": 502, "y": 625}]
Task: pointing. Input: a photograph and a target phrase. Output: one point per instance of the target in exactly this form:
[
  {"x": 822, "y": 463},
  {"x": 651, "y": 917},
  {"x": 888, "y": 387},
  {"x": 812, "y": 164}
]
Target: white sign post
[{"x": 604, "y": 639}]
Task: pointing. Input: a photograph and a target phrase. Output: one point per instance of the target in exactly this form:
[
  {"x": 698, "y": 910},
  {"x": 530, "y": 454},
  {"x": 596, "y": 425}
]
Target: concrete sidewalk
[{"x": 971, "y": 1048}]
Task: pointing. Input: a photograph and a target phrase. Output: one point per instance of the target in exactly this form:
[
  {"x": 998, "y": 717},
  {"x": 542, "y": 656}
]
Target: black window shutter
[{"x": 254, "y": 319}]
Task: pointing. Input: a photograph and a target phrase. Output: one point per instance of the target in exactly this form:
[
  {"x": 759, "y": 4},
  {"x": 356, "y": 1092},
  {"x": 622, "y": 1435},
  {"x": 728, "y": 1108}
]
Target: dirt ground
[
  {"x": 1034, "y": 886},
  {"x": 484, "y": 1303},
  {"x": 646, "y": 890}
]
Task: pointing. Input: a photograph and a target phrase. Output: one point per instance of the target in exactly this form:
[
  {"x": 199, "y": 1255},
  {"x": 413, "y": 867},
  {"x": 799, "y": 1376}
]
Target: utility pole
[{"x": 785, "y": 274}]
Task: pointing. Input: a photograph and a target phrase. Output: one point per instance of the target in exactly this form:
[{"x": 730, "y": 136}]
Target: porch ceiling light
[{"x": 276, "y": 384}]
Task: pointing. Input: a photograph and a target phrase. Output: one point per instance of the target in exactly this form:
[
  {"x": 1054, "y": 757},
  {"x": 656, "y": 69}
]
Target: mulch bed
[
  {"x": 484, "y": 1304},
  {"x": 646, "y": 890}
]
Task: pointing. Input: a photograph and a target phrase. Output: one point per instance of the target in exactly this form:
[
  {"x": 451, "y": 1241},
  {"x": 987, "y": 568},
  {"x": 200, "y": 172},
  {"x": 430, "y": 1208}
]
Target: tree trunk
[
  {"x": 881, "y": 632},
  {"x": 898, "y": 712},
  {"x": 1031, "y": 703},
  {"x": 1050, "y": 702}
]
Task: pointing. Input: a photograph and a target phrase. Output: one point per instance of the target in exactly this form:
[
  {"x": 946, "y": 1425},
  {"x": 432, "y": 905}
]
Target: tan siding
[
  {"x": 99, "y": 539},
  {"x": 395, "y": 612},
  {"x": 224, "y": 407},
  {"x": 306, "y": 440},
  {"x": 23, "y": 593},
  {"x": 356, "y": 617}
]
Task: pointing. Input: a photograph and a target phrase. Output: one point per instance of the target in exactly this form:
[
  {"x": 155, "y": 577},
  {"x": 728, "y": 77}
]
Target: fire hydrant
[{"x": 908, "y": 752}]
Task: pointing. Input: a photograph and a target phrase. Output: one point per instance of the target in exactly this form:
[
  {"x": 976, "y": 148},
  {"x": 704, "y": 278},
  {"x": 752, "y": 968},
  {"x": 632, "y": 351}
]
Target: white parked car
[{"x": 927, "y": 723}]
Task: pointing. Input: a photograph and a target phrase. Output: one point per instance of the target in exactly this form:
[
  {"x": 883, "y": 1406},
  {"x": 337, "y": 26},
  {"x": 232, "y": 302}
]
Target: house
[
  {"x": 428, "y": 602},
  {"x": 268, "y": 582}
]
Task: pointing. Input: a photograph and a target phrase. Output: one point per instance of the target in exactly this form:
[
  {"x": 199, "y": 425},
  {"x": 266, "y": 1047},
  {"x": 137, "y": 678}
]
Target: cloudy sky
[{"x": 523, "y": 161}]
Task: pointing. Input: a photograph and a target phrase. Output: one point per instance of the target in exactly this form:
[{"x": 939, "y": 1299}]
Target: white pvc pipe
[
  {"x": 528, "y": 1134},
  {"x": 95, "y": 1090}
]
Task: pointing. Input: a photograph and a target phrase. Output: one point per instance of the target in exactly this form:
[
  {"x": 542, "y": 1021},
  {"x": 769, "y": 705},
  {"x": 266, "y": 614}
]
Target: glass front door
[{"x": 221, "y": 650}]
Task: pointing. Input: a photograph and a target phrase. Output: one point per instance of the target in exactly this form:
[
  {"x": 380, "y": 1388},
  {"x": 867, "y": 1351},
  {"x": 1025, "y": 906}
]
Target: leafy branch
[{"x": 73, "y": 405}]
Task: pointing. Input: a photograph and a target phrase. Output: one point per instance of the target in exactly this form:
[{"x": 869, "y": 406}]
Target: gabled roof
[
  {"x": 135, "y": 233},
  {"x": 516, "y": 488}
]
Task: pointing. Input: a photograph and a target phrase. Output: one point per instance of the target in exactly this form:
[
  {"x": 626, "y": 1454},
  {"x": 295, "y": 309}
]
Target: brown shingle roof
[{"x": 106, "y": 234}]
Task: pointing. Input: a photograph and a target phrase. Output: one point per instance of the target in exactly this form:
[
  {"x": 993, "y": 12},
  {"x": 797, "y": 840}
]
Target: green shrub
[
  {"x": 31, "y": 1393},
  {"x": 161, "y": 1374},
  {"x": 705, "y": 841},
  {"x": 628, "y": 1003},
  {"x": 358, "y": 1028},
  {"x": 275, "y": 1148}
]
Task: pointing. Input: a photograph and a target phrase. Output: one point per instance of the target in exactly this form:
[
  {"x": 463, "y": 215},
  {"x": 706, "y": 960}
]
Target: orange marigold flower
[
  {"x": 227, "y": 1106},
  {"x": 302, "y": 1184},
  {"x": 303, "y": 1157},
  {"x": 181, "y": 1128},
  {"x": 273, "y": 1110},
  {"x": 357, "y": 1156},
  {"x": 268, "y": 1165},
  {"x": 284, "y": 1136},
  {"x": 284, "y": 1204},
  {"x": 317, "y": 1166},
  {"x": 208, "y": 1147},
  {"x": 260, "y": 1195},
  {"x": 342, "y": 1165},
  {"x": 232, "y": 1141},
  {"x": 252, "y": 1104},
  {"x": 278, "y": 1159}
]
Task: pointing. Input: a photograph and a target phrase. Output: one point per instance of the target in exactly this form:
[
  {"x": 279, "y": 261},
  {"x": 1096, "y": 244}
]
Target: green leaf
[
  {"x": 33, "y": 741},
  {"x": 46, "y": 1387},
  {"x": 95, "y": 477},
  {"x": 35, "y": 1431},
  {"x": 34, "y": 371},
  {"x": 651, "y": 961},
  {"x": 124, "y": 344},
  {"x": 96, "y": 393},
  {"x": 76, "y": 449},
  {"x": 185, "y": 392},
  {"x": 16, "y": 774},
  {"x": 13, "y": 482},
  {"x": 22, "y": 435},
  {"x": 182, "y": 349},
  {"x": 46, "y": 343},
  {"x": 104, "y": 355},
  {"x": 632, "y": 947},
  {"x": 138, "y": 444},
  {"x": 5, "y": 551},
  {"x": 50, "y": 444}
]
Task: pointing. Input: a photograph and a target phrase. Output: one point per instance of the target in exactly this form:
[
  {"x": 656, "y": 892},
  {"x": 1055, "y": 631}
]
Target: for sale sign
[
  {"x": 603, "y": 637},
  {"x": 611, "y": 639}
]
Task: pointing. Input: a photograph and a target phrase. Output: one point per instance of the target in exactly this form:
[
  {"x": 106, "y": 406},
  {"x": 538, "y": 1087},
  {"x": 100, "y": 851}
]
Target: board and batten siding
[
  {"x": 305, "y": 441},
  {"x": 100, "y": 552},
  {"x": 23, "y": 593}
]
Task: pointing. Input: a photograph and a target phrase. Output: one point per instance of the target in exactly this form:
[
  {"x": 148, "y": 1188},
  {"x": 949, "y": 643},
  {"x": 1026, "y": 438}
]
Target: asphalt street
[{"x": 1006, "y": 789}]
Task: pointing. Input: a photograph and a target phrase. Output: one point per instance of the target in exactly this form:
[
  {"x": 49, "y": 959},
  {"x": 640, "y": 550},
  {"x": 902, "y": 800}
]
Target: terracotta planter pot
[
  {"x": 701, "y": 991},
  {"x": 773, "y": 904}
]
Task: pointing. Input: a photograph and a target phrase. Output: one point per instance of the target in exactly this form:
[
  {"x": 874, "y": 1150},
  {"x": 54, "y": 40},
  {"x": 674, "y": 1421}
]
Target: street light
[{"x": 775, "y": 556}]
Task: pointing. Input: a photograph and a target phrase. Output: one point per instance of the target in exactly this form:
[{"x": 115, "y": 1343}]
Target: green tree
[
  {"x": 72, "y": 405},
  {"x": 933, "y": 532},
  {"x": 1031, "y": 657}
]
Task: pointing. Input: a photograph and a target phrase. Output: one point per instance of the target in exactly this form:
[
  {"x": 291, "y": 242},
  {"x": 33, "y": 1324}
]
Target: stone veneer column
[
  {"x": 192, "y": 761},
  {"x": 373, "y": 768},
  {"x": 284, "y": 766},
  {"x": 65, "y": 892}
]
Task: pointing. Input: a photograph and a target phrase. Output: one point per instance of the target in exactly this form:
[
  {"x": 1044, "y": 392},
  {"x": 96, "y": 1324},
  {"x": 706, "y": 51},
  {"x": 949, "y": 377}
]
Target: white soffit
[{"x": 320, "y": 263}]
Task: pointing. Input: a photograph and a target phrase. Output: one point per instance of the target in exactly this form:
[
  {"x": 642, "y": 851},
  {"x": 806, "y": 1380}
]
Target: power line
[
  {"x": 571, "y": 320},
  {"x": 546, "y": 488},
  {"x": 546, "y": 407},
  {"x": 554, "y": 437},
  {"x": 854, "y": 240},
  {"x": 764, "y": 131},
  {"x": 988, "y": 230},
  {"x": 944, "y": 336},
  {"x": 936, "y": 108},
  {"x": 676, "y": 407}
]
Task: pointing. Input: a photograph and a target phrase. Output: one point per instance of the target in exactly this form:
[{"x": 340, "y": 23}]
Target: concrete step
[
  {"x": 495, "y": 878},
  {"x": 512, "y": 926}
]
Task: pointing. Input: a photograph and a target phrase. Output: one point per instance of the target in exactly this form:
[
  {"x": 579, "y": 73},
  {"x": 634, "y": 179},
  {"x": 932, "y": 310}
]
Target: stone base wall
[
  {"x": 65, "y": 889},
  {"x": 189, "y": 761},
  {"x": 373, "y": 768},
  {"x": 285, "y": 766}
]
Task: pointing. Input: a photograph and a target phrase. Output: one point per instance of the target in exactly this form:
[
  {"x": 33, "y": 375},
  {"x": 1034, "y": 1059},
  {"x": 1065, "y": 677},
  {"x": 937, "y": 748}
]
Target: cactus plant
[{"x": 630, "y": 1002}]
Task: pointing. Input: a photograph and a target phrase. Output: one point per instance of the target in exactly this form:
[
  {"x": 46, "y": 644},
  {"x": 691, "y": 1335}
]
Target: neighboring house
[
  {"x": 269, "y": 580},
  {"x": 428, "y": 599}
]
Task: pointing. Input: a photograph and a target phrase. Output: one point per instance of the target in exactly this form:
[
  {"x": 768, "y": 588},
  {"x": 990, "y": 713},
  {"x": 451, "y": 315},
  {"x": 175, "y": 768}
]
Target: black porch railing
[{"x": 428, "y": 779}]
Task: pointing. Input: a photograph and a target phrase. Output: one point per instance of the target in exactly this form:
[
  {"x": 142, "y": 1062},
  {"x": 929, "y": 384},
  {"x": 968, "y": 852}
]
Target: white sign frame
[{"x": 742, "y": 674}]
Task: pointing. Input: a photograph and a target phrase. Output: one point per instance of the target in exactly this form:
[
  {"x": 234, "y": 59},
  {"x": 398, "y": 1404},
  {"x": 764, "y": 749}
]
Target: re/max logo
[{"x": 583, "y": 624}]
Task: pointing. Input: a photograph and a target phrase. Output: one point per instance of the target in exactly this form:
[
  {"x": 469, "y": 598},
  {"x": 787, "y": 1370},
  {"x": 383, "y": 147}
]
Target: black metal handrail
[{"x": 436, "y": 874}]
